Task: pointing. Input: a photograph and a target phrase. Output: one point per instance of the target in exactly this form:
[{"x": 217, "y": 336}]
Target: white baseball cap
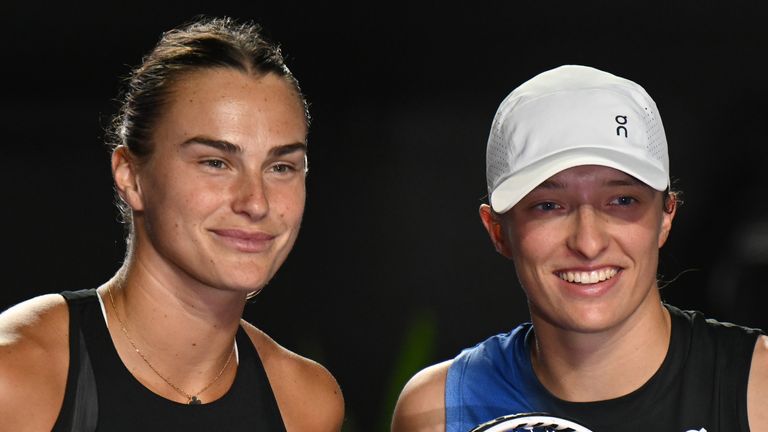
[{"x": 571, "y": 116}]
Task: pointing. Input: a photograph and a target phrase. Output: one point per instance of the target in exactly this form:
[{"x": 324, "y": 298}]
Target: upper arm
[
  {"x": 757, "y": 389},
  {"x": 307, "y": 394},
  {"x": 421, "y": 405},
  {"x": 34, "y": 360}
]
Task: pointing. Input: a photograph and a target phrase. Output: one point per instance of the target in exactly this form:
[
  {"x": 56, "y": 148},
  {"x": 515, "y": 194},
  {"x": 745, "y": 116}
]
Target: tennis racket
[{"x": 532, "y": 422}]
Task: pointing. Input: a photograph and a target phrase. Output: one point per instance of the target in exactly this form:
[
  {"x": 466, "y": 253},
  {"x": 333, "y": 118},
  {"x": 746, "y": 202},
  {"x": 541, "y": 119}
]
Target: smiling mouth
[
  {"x": 588, "y": 277},
  {"x": 244, "y": 241}
]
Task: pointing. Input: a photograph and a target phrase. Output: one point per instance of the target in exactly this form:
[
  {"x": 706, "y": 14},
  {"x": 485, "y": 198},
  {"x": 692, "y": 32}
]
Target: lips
[
  {"x": 588, "y": 277},
  {"x": 245, "y": 241}
]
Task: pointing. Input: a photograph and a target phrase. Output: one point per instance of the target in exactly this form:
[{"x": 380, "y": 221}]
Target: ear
[
  {"x": 124, "y": 171},
  {"x": 667, "y": 215},
  {"x": 492, "y": 224}
]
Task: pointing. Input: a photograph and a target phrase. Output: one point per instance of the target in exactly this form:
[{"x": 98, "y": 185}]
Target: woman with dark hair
[{"x": 209, "y": 164}]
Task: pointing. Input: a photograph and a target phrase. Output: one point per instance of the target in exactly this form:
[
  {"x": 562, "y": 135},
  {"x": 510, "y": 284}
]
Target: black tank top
[
  {"x": 101, "y": 394},
  {"x": 701, "y": 385}
]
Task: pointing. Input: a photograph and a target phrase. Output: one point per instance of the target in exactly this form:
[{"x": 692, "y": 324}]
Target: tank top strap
[
  {"x": 79, "y": 411},
  {"x": 254, "y": 385}
]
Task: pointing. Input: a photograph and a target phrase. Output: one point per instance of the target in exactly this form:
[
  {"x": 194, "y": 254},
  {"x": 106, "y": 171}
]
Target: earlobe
[
  {"x": 495, "y": 230},
  {"x": 124, "y": 173}
]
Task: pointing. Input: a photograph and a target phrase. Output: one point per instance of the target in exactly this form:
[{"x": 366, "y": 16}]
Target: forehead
[
  {"x": 218, "y": 85},
  {"x": 230, "y": 105},
  {"x": 589, "y": 176}
]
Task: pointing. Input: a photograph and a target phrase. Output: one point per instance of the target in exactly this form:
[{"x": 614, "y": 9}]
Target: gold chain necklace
[{"x": 193, "y": 399}]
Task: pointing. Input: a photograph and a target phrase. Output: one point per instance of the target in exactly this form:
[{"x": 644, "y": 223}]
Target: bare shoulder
[
  {"x": 421, "y": 405},
  {"x": 308, "y": 395},
  {"x": 757, "y": 389},
  {"x": 34, "y": 360}
]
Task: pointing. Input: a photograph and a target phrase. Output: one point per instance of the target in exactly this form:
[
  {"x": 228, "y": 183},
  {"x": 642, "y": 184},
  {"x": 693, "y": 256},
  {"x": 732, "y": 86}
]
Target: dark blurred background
[{"x": 392, "y": 270}]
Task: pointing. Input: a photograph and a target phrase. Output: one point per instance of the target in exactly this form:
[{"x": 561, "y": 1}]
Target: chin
[
  {"x": 246, "y": 275},
  {"x": 582, "y": 318},
  {"x": 246, "y": 285},
  {"x": 242, "y": 283},
  {"x": 593, "y": 326},
  {"x": 599, "y": 319}
]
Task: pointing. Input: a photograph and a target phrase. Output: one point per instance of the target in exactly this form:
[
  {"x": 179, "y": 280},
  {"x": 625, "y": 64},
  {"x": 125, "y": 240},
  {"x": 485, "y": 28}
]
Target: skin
[
  {"x": 588, "y": 336},
  {"x": 216, "y": 210},
  {"x": 757, "y": 389}
]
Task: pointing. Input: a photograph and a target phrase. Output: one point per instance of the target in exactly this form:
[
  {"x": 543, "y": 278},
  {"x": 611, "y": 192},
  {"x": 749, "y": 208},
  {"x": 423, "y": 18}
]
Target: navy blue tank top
[
  {"x": 700, "y": 386},
  {"x": 102, "y": 395}
]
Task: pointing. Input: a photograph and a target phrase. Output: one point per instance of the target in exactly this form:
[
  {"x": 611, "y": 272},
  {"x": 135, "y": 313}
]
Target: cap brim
[{"x": 510, "y": 191}]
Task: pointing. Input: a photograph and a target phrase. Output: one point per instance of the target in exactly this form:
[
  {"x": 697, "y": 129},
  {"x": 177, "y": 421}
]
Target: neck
[
  {"x": 174, "y": 309},
  {"x": 604, "y": 365},
  {"x": 186, "y": 332}
]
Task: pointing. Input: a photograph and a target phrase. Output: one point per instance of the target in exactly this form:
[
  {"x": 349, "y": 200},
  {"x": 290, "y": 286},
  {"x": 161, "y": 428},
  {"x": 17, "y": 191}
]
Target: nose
[
  {"x": 588, "y": 237},
  {"x": 250, "y": 197}
]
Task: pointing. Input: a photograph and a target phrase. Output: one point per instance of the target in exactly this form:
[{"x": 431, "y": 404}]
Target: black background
[{"x": 393, "y": 270}]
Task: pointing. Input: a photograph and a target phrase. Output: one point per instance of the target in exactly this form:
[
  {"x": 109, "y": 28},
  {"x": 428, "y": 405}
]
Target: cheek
[
  {"x": 532, "y": 250},
  {"x": 174, "y": 198},
  {"x": 534, "y": 241},
  {"x": 644, "y": 236},
  {"x": 288, "y": 203}
]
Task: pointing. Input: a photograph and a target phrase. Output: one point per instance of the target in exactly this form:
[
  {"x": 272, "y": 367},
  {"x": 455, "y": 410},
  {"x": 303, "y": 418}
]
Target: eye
[
  {"x": 547, "y": 206},
  {"x": 282, "y": 168},
  {"x": 623, "y": 201},
  {"x": 214, "y": 163}
]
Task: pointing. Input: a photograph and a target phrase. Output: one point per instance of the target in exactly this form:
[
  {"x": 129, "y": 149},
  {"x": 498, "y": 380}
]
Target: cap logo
[{"x": 621, "y": 120}]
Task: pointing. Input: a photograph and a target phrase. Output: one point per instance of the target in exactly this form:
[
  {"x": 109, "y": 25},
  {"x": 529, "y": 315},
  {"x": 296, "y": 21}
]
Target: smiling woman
[
  {"x": 209, "y": 164},
  {"x": 220, "y": 197},
  {"x": 579, "y": 201},
  {"x": 597, "y": 220}
]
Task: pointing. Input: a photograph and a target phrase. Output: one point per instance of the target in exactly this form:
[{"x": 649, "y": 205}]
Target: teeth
[{"x": 591, "y": 277}]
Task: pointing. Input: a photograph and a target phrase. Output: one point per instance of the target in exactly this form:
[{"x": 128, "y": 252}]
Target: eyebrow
[
  {"x": 629, "y": 181},
  {"x": 550, "y": 184},
  {"x": 287, "y": 149},
  {"x": 225, "y": 146},
  {"x": 228, "y": 147}
]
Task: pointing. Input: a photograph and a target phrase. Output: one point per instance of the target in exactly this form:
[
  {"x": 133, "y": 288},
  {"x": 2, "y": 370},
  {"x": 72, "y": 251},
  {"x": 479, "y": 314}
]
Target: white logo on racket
[{"x": 532, "y": 422}]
